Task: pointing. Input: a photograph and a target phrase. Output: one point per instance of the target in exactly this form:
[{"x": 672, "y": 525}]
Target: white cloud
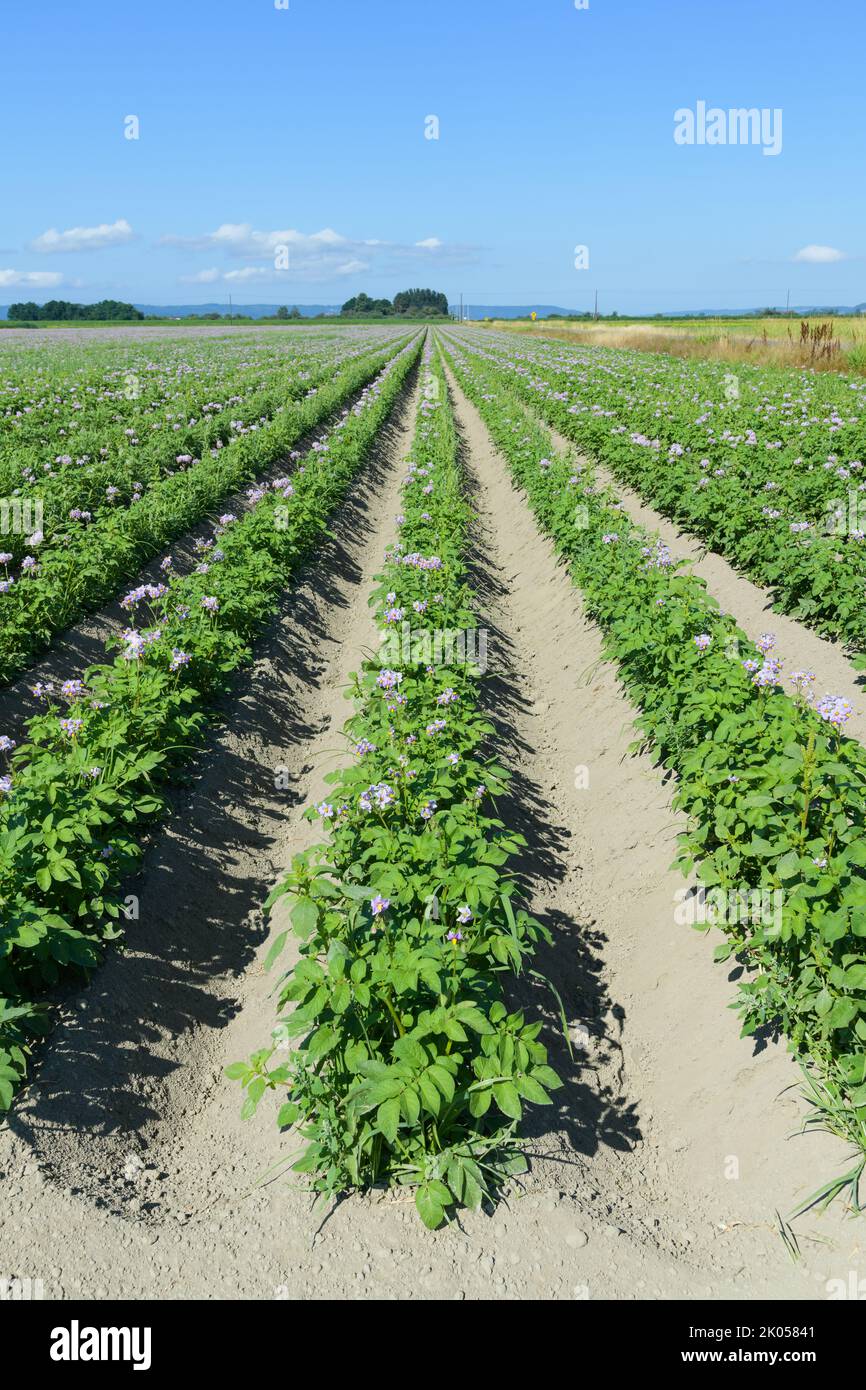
[
  {"x": 202, "y": 277},
  {"x": 820, "y": 255},
  {"x": 321, "y": 255},
  {"x": 31, "y": 279},
  {"x": 263, "y": 274},
  {"x": 241, "y": 239},
  {"x": 84, "y": 238},
  {"x": 249, "y": 272}
]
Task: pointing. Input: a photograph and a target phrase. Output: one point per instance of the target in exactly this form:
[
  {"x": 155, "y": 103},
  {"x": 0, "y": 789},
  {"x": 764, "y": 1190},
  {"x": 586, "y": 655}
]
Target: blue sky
[{"x": 304, "y": 128}]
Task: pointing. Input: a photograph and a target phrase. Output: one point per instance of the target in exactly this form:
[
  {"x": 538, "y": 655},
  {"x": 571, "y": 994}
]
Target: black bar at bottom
[{"x": 63, "y": 1338}]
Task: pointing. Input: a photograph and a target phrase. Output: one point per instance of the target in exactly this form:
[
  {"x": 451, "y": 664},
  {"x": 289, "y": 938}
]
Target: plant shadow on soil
[
  {"x": 207, "y": 873},
  {"x": 587, "y": 1115}
]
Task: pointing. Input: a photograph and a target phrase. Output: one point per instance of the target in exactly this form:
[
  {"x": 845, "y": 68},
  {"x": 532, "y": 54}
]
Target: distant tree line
[
  {"x": 419, "y": 303},
  {"x": 61, "y": 309}
]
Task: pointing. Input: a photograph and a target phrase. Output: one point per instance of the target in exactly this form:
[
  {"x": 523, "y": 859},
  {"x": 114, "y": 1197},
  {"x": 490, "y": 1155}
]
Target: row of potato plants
[
  {"x": 786, "y": 437},
  {"x": 396, "y": 1051},
  {"x": 773, "y": 791},
  {"x": 92, "y": 771},
  {"x": 135, "y": 422},
  {"x": 81, "y": 571},
  {"x": 62, "y": 405},
  {"x": 51, "y": 390},
  {"x": 770, "y": 477},
  {"x": 112, "y": 463}
]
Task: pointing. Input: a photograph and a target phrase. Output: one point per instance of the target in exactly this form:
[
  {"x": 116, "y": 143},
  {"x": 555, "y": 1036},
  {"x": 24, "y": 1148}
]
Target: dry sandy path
[{"x": 127, "y": 1171}]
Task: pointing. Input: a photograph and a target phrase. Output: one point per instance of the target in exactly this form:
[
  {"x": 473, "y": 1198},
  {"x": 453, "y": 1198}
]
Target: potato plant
[{"x": 407, "y": 1066}]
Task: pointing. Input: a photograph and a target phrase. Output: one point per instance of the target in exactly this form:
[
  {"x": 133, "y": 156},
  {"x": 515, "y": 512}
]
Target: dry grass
[{"x": 813, "y": 343}]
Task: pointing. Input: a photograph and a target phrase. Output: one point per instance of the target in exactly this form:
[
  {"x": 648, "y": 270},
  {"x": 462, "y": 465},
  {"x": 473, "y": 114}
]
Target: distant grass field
[{"x": 826, "y": 342}]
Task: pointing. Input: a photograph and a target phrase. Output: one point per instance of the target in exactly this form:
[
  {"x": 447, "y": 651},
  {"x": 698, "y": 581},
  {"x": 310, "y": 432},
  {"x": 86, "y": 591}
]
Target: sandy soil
[{"x": 126, "y": 1171}]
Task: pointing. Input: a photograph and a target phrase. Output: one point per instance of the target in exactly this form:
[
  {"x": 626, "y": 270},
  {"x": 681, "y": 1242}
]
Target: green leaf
[
  {"x": 275, "y": 949},
  {"x": 323, "y": 1041},
  {"x": 508, "y": 1100},
  {"x": 388, "y": 1119},
  {"x": 431, "y": 1199},
  {"x": 547, "y": 1076},
  {"x": 443, "y": 1080},
  {"x": 472, "y": 1189},
  {"x": 789, "y": 865},
  {"x": 843, "y": 1013},
  {"x": 410, "y": 1106},
  {"x": 480, "y": 1102},
  {"x": 473, "y": 1018},
  {"x": 341, "y": 997},
  {"x": 305, "y": 917},
  {"x": 429, "y": 1094},
  {"x": 530, "y": 1090},
  {"x": 378, "y": 1091}
]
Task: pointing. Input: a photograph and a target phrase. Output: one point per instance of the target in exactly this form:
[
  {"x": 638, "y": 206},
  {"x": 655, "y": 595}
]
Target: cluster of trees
[
  {"x": 418, "y": 303},
  {"x": 363, "y": 304},
  {"x": 62, "y": 309}
]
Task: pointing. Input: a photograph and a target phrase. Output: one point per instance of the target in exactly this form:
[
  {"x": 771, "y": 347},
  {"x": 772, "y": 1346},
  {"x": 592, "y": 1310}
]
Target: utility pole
[
  {"x": 596, "y": 305},
  {"x": 461, "y": 306},
  {"x": 788, "y": 303},
  {"x": 231, "y": 316}
]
